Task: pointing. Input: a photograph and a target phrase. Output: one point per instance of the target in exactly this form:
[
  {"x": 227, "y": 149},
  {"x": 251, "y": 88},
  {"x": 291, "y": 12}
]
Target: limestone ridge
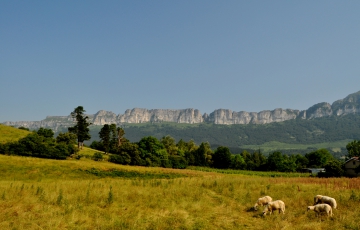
[{"x": 348, "y": 105}]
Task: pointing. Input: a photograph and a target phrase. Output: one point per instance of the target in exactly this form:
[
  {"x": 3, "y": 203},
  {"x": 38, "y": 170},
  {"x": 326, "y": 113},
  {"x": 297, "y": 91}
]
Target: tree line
[
  {"x": 42, "y": 144},
  {"x": 298, "y": 131},
  {"x": 166, "y": 152}
]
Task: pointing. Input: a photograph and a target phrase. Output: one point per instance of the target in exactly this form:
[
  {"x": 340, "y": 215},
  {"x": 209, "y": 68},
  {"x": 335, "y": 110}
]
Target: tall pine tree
[{"x": 81, "y": 129}]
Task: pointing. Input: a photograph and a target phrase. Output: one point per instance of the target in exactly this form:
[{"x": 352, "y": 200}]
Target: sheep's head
[
  {"x": 266, "y": 209},
  {"x": 255, "y": 207},
  {"x": 317, "y": 199}
]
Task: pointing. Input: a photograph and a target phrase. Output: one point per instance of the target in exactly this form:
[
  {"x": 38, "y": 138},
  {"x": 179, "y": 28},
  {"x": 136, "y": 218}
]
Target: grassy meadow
[
  {"x": 8, "y": 134},
  {"x": 84, "y": 194}
]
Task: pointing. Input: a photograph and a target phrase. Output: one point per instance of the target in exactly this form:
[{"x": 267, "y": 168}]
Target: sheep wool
[
  {"x": 274, "y": 205},
  {"x": 262, "y": 201},
  {"x": 321, "y": 208},
  {"x": 320, "y": 199}
]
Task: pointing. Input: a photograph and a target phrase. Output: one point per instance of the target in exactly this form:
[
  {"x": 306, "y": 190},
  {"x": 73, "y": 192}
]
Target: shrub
[
  {"x": 98, "y": 156},
  {"x": 123, "y": 159},
  {"x": 178, "y": 162}
]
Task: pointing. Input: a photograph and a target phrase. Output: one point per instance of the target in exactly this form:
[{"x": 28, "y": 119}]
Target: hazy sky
[{"x": 117, "y": 55}]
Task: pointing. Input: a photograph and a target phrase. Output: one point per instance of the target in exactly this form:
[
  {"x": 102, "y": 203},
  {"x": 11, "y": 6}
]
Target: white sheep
[
  {"x": 274, "y": 205},
  {"x": 320, "y": 199},
  {"x": 262, "y": 201},
  {"x": 319, "y": 208}
]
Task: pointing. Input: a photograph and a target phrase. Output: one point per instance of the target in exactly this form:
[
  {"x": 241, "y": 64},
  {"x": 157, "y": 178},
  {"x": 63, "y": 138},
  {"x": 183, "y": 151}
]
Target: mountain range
[{"x": 348, "y": 105}]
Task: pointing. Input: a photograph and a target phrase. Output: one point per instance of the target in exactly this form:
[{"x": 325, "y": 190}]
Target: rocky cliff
[
  {"x": 228, "y": 117},
  {"x": 348, "y": 105}
]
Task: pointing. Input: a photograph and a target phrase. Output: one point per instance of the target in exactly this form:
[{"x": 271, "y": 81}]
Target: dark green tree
[
  {"x": 120, "y": 136},
  {"x": 98, "y": 145},
  {"x": 35, "y": 145},
  {"x": 47, "y": 133},
  {"x": 319, "y": 158},
  {"x": 113, "y": 138},
  {"x": 222, "y": 157},
  {"x": 152, "y": 151},
  {"x": 104, "y": 135},
  {"x": 259, "y": 160},
  {"x": 81, "y": 129},
  {"x": 238, "y": 162},
  {"x": 182, "y": 145},
  {"x": 131, "y": 151},
  {"x": 353, "y": 149},
  {"x": 277, "y": 161},
  {"x": 334, "y": 168},
  {"x": 170, "y": 145},
  {"x": 202, "y": 153},
  {"x": 300, "y": 161},
  {"x": 250, "y": 165},
  {"x": 67, "y": 138}
]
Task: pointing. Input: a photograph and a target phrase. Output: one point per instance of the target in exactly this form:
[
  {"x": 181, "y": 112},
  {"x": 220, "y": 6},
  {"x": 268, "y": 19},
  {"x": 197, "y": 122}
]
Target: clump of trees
[
  {"x": 42, "y": 144},
  {"x": 150, "y": 151}
]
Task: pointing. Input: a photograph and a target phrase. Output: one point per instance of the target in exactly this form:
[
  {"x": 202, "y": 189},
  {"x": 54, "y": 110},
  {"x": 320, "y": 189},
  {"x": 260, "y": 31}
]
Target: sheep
[
  {"x": 319, "y": 208},
  {"x": 320, "y": 199},
  {"x": 274, "y": 205},
  {"x": 262, "y": 201}
]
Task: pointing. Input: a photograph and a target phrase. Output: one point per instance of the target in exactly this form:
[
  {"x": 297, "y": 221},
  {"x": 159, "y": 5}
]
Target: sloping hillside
[{"x": 8, "y": 133}]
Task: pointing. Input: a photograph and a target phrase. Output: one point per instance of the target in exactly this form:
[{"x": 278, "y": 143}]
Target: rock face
[
  {"x": 348, "y": 105},
  {"x": 190, "y": 116},
  {"x": 228, "y": 117}
]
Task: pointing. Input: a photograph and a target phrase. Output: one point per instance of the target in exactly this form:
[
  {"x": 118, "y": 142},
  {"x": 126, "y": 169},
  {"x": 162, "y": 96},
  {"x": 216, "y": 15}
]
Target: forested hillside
[{"x": 299, "y": 135}]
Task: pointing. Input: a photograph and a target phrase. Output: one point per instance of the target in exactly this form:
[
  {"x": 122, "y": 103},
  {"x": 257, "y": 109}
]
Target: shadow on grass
[{"x": 250, "y": 209}]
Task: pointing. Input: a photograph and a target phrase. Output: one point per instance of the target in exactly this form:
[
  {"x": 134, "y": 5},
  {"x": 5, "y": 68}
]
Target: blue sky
[{"x": 203, "y": 54}]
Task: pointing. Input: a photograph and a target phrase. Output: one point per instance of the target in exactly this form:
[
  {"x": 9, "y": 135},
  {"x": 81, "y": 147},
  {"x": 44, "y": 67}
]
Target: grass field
[
  {"x": 84, "y": 194},
  {"x": 8, "y": 133},
  {"x": 275, "y": 145}
]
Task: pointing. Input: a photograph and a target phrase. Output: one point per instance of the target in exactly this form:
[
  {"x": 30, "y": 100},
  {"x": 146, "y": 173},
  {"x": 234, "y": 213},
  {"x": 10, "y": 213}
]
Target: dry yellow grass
[
  {"x": 9, "y": 133},
  {"x": 50, "y": 194}
]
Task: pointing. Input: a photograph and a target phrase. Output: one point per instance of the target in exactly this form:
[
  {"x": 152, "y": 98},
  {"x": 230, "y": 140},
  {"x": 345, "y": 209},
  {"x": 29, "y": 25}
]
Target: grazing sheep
[
  {"x": 320, "y": 199},
  {"x": 319, "y": 208},
  {"x": 262, "y": 201},
  {"x": 274, "y": 205}
]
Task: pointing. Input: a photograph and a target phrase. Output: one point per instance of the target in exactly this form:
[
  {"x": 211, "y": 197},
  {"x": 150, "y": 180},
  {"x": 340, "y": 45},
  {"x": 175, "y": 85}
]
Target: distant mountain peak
[{"x": 348, "y": 105}]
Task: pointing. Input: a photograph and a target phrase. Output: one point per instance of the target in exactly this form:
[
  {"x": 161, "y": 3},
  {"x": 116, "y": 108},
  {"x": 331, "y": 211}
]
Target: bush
[
  {"x": 178, "y": 162},
  {"x": 123, "y": 159},
  {"x": 35, "y": 145},
  {"x": 97, "y": 156},
  {"x": 334, "y": 169}
]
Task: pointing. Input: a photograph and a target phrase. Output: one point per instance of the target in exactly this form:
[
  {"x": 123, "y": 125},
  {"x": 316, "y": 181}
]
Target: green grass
[
  {"x": 249, "y": 173},
  {"x": 28, "y": 169},
  {"x": 275, "y": 145},
  {"x": 8, "y": 133},
  {"x": 85, "y": 194}
]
